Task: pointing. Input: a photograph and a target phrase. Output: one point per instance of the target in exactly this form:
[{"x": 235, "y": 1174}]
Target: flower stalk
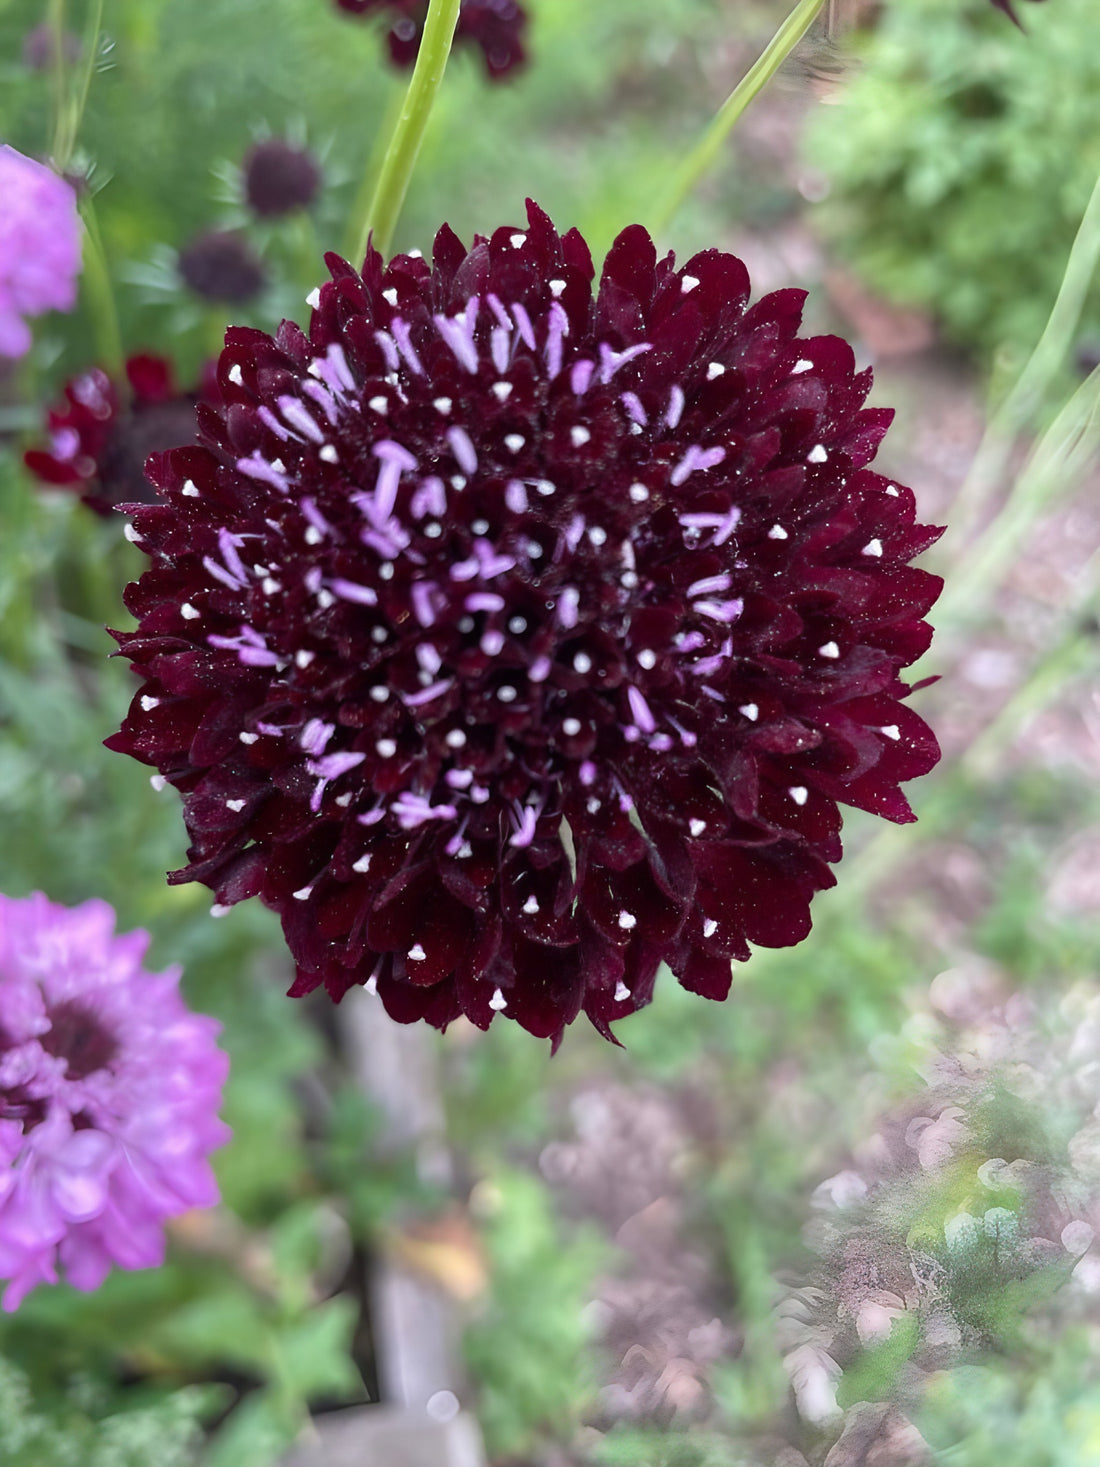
[
  {"x": 706, "y": 151},
  {"x": 408, "y": 135}
]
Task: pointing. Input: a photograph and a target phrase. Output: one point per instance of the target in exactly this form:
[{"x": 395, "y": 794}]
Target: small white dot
[
  {"x": 582, "y": 663},
  {"x": 517, "y": 241},
  {"x": 592, "y": 804},
  {"x": 480, "y": 527},
  {"x": 622, "y": 993},
  {"x": 697, "y": 826},
  {"x": 380, "y": 405},
  {"x": 248, "y": 738},
  {"x": 313, "y": 299},
  {"x": 818, "y": 454},
  {"x": 219, "y": 910},
  {"x": 627, "y": 921},
  {"x": 433, "y": 529},
  {"x": 379, "y": 693},
  {"x": 303, "y": 658},
  {"x": 416, "y": 953},
  {"x": 513, "y": 442},
  {"x": 148, "y": 702},
  {"x": 580, "y": 436},
  {"x": 647, "y": 658},
  {"x": 189, "y": 612},
  {"x": 363, "y": 864},
  {"x": 235, "y": 805},
  {"x": 458, "y": 481},
  {"x": 303, "y": 893},
  {"x": 385, "y": 571},
  {"x": 378, "y": 634},
  {"x": 329, "y": 455},
  {"x": 639, "y": 493},
  {"x": 534, "y": 550},
  {"x": 269, "y": 585},
  {"x": 873, "y": 547},
  {"x": 750, "y": 710},
  {"x": 456, "y": 739},
  {"x": 777, "y": 532},
  {"x": 390, "y": 295},
  {"x": 710, "y": 927},
  {"x": 344, "y": 800},
  {"x": 544, "y": 487},
  {"x": 598, "y": 535},
  {"x": 502, "y": 391},
  {"x": 325, "y": 599},
  {"x": 688, "y": 283},
  {"x": 830, "y": 649},
  {"x": 498, "y": 1001},
  {"x": 801, "y": 366},
  {"x": 531, "y": 905},
  {"x": 387, "y": 748},
  {"x": 235, "y": 375},
  {"x": 891, "y": 731},
  {"x": 893, "y": 490},
  {"x": 628, "y": 579},
  {"x": 506, "y": 693},
  {"x": 158, "y": 782},
  {"x": 442, "y": 405},
  {"x": 131, "y": 534},
  {"x": 556, "y": 288},
  {"x": 516, "y": 625},
  {"x": 715, "y": 369},
  {"x": 313, "y": 535},
  {"x": 799, "y": 793},
  {"x": 190, "y": 489},
  {"x": 571, "y": 727}
]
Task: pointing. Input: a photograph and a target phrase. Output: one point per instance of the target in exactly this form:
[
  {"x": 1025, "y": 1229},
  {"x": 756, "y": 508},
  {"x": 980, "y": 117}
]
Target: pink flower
[
  {"x": 109, "y": 1092},
  {"x": 39, "y": 247}
]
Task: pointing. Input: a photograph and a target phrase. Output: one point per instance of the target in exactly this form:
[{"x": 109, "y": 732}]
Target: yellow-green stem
[
  {"x": 408, "y": 135},
  {"x": 706, "y": 151}
]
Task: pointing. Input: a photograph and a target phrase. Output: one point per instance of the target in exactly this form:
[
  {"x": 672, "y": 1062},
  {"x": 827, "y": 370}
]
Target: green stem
[
  {"x": 706, "y": 151},
  {"x": 56, "y": 21},
  {"x": 408, "y": 135},
  {"x": 99, "y": 294}
]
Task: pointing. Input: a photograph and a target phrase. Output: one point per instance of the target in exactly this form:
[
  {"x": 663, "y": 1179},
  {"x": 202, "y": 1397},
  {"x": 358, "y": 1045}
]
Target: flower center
[{"x": 78, "y": 1037}]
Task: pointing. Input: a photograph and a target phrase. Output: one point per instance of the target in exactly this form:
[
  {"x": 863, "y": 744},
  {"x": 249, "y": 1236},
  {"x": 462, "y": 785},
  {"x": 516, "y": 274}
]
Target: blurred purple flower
[
  {"x": 509, "y": 639},
  {"x": 109, "y": 1092},
  {"x": 279, "y": 178},
  {"x": 39, "y": 247},
  {"x": 497, "y": 26}
]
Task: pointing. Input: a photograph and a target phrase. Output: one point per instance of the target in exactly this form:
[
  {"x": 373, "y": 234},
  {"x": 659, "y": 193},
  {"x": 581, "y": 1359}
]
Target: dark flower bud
[
  {"x": 279, "y": 178},
  {"x": 222, "y": 267}
]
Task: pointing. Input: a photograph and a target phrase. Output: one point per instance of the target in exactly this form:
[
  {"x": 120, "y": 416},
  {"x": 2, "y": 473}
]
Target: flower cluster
[
  {"x": 509, "y": 641},
  {"x": 39, "y": 247},
  {"x": 109, "y": 1092},
  {"x": 496, "y": 26},
  {"x": 100, "y": 439}
]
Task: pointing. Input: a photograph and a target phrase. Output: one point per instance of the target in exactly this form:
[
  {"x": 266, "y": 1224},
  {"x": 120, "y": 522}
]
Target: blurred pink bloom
[
  {"x": 109, "y": 1092},
  {"x": 39, "y": 247}
]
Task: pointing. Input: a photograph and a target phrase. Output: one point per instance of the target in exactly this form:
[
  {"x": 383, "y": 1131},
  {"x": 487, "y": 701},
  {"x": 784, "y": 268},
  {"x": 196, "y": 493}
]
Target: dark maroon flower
[
  {"x": 99, "y": 442},
  {"x": 509, "y": 642},
  {"x": 222, "y": 267},
  {"x": 497, "y": 26},
  {"x": 279, "y": 178}
]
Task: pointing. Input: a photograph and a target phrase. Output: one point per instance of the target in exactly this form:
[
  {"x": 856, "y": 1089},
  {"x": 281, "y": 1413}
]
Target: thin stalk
[
  {"x": 55, "y": 14},
  {"x": 100, "y": 296},
  {"x": 1021, "y": 402},
  {"x": 707, "y": 149},
  {"x": 408, "y": 135}
]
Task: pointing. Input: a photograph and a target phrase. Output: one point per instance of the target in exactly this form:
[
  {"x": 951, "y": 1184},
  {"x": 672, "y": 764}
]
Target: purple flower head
[
  {"x": 109, "y": 1093},
  {"x": 280, "y": 178},
  {"x": 98, "y": 443},
  {"x": 498, "y": 27},
  {"x": 39, "y": 247},
  {"x": 509, "y": 640},
  {"x": 222, "y": 267}
]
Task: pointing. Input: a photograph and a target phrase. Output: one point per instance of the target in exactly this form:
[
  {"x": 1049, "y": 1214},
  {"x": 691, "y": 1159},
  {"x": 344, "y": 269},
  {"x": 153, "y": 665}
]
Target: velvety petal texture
[
  {"x": 497, "y": 27},
  {"x": 510, "y": 638},
  {"x": 109, "y": 1096},
  {"x": 101, "y": 436},
  {"x": 40, "y": 238}
]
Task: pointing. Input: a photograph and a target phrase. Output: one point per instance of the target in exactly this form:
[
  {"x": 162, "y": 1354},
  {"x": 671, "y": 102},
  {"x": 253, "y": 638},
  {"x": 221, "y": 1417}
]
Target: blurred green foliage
[{"x": 961, "y": 153}]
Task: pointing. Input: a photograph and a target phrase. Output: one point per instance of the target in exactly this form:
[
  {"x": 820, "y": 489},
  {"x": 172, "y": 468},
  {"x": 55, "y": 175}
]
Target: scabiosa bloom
[
  {"x": 279, "y": 178},
  {"x": 39, "y": 247},
  {"x": 496, "y": 26},
  {"x": 508, "y": 641},
  {"x": 98, "y": 443},
  {"x": 109, "y": 1092},
  {"x": 221, "y": 267}
]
